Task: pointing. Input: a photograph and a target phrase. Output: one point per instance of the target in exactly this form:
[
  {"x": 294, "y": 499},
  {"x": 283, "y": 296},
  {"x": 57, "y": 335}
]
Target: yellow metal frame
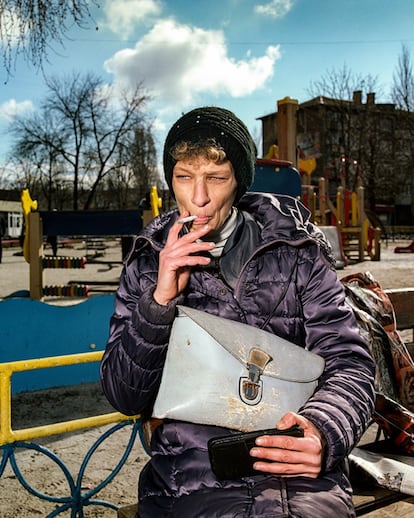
[
  {"x": 8, "y": 435},
  {"x": 156, "y": 202},
  {"x": 28, "y": 206}
]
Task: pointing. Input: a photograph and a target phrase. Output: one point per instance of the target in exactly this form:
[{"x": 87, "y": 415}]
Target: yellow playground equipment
[{"x": 345, "y": 210}]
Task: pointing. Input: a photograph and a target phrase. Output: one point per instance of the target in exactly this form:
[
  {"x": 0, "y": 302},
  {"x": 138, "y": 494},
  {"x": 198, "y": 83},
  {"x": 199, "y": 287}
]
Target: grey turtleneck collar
[{"x": 220, "y": 236}]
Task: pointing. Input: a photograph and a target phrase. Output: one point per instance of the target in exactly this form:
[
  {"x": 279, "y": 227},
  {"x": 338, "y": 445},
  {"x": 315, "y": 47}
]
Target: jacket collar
[{"x": 284, "y": 219}]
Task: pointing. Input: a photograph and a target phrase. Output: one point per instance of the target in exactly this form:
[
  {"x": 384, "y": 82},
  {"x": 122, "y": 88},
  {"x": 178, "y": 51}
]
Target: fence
[{"x": 11, "y": 440}]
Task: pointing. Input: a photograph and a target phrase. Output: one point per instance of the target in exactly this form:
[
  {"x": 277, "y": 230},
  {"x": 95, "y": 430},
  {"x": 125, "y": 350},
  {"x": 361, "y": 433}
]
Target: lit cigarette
[{"x": 187, "y": 219}]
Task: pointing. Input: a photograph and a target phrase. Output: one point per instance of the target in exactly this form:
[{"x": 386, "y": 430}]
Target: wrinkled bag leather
[{"x": 226, "y": 373}]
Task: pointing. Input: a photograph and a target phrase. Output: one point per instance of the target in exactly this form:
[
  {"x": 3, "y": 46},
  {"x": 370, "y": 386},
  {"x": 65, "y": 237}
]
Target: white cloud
[
  {"x": 11, "y": 109},
  {"x": 122, "y": 16},
  {"x": 14, "y": 30},
  {"x": 179, "y": 63},
  {"x": 274, "y": 8}
]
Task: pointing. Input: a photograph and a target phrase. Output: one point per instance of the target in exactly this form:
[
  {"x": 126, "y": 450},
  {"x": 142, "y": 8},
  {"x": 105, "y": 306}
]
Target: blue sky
[{"x": 241, "y": 54}]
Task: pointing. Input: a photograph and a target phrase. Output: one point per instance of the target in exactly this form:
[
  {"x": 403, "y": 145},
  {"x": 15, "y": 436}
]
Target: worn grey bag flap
[{"x": 230, "y": 374}]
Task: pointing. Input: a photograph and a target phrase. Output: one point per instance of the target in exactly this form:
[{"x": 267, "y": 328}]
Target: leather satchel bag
[{"x": 226, "y": 373}]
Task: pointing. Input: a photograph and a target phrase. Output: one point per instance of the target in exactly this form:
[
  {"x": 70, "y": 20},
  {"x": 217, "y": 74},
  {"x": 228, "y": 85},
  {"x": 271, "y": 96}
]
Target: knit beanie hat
[{"x": 227, "y": 130}]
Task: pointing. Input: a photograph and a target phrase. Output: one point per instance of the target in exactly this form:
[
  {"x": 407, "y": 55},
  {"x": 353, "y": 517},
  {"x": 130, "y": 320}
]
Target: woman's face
[{"x": 204, "y": 189}]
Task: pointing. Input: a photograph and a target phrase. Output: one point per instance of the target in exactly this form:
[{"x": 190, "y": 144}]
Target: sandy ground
[{"x": 393, "y": 271}]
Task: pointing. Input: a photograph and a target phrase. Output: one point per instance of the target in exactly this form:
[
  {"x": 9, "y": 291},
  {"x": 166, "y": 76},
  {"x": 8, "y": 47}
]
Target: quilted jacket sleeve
[
  {"x": 132, "y": 364},
  {"x": 342, "y": 405}
]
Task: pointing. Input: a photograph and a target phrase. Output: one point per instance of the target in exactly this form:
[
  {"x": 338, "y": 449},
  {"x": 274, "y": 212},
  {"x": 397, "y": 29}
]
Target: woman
[{"x": 253, "y": 258}]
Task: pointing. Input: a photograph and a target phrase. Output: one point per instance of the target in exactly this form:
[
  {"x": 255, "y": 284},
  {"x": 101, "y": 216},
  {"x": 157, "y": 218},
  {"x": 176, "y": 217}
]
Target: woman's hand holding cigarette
[{"x": 177, "y": 258}]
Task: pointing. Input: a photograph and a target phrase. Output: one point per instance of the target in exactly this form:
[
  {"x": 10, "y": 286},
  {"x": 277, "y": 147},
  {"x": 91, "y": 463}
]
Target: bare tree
[
  {"x": 30, "y": 27},
  {"x": 36, "y": 162},
  {"x": 351, "y": 153},
  {"x": 121, "y": 182},
  {"x": 342, "y": 83},
  {"x": 6, "y": 177},
  {"x": 143, "y": 160},
  {"x": 85, "y": 128},
  {"x": 403, "y": 82},
  {"x": 403, "y": 96}
]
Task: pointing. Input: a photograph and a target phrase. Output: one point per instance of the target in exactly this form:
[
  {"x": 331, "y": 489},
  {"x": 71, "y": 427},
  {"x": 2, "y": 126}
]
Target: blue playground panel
[
  {"x": 92, "y": 222},
  {"x": 32, "y": 329},
  {"x": 277, "y": 177}
]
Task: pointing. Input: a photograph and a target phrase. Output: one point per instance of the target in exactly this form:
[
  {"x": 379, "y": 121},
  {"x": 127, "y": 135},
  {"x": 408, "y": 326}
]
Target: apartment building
[{"x": 356, "y": 142}]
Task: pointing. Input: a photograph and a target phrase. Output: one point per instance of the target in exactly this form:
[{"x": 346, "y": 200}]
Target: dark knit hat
[{"x": 226, "y": 129}]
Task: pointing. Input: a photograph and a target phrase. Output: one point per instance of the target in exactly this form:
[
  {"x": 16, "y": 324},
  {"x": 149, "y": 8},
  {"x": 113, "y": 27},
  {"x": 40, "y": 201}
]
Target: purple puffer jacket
[{"x": 178, "y": 481}]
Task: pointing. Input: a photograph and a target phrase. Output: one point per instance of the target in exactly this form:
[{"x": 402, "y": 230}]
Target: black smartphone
[{"x": 229, "y": 454}]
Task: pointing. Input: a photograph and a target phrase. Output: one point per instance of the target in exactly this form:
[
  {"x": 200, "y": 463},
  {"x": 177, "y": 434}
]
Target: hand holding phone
[{"x": 229, "y": 454}]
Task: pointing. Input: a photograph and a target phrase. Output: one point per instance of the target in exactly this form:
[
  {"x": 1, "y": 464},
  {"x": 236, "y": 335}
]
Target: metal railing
[{"x": 12, "y": 440}]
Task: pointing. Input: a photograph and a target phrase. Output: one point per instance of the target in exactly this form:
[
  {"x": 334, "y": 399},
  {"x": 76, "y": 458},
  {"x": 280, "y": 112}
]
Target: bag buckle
[{"x": 251, "y": 387}]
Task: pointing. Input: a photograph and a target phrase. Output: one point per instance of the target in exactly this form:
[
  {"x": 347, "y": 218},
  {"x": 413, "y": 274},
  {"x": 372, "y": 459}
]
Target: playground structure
[
  {"x": 357, "y": 239},
  {"x": 49, "y": 330},
  {"x": 68, "y": 223},
  {"x": 341, "y": 217},
  {"x": 344, "y": 211},
  {"x": 53, "y": 330},
  {"x": 276, "y": 176},
  {"x": 101, "y": 223}
]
